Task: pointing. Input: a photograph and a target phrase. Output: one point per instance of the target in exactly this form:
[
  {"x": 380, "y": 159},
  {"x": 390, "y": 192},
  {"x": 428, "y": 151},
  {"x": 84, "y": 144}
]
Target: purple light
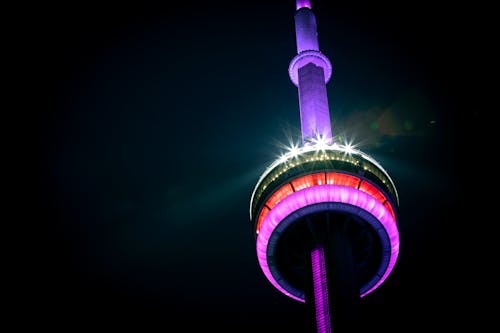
[
  {"x": 306, "y": 34},
  {"x": 320, "y": 290},
  {"x": 323, "y": 194},
  {"x": 303, "y": 58},
  {"x": 303, "y": 3},
  {"x": 313, "y": 101}
]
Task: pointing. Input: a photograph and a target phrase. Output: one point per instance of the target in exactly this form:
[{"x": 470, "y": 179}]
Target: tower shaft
[
  {"x": 313, "y": 102},
  {"x": 333, "y": 291},
  {"x": 305, "y": 30},
  {"x": 333, "y": 287}
]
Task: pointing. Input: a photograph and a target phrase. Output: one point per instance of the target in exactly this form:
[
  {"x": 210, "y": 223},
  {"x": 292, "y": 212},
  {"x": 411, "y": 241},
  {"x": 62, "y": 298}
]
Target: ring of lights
[
  {"x": 308, "y": 159},
  {"x": 322, "y": 197}
]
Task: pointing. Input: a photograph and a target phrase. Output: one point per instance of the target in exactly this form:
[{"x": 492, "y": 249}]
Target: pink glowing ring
[{"x": 340, "y": 198}]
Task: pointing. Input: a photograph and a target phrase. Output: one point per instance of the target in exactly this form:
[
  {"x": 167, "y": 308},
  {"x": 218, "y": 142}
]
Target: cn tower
[{"x": 325, "y": 214}]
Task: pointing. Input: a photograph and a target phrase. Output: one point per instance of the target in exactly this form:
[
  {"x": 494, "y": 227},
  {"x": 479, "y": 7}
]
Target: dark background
[{"x": 154, "y": 122}]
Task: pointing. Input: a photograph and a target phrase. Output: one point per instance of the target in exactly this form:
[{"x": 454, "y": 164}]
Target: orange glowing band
[
  {"x": 321, "y": 178},
  {"x": 279, "y": 195},
  {"x": 308, "y": 181}
]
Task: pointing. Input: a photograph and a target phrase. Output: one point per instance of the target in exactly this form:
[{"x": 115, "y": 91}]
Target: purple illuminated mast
[
  {"x": 310, "y": 70},
  {"x": 324, "y": 214}
]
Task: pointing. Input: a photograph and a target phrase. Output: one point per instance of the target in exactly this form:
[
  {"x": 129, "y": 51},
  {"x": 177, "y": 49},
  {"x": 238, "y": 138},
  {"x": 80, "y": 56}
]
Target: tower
[{"x": 324, "y": 214}]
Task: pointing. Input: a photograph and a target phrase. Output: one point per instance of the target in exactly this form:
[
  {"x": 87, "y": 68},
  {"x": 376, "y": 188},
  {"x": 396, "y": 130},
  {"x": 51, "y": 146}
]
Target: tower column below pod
[{"x": 333, "y": 289}]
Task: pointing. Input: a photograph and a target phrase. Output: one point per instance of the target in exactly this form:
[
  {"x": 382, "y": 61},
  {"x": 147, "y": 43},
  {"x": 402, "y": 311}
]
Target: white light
[
  {"x": 348, "y": 148},
  {"x": 320, "y": 143},
  {"x": 293, "y": 150},
  {"x": 282, "y": 158}
]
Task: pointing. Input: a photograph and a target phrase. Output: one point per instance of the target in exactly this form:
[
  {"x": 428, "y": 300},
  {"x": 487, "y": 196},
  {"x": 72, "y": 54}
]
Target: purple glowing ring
[
  {"x": 305, "y": 57},
  {"x": 342, "y": 198}
]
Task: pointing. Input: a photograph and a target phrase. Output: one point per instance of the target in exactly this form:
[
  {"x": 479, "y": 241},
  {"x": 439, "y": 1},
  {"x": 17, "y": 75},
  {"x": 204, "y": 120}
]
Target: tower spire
[{"x": 310, "y": 70}]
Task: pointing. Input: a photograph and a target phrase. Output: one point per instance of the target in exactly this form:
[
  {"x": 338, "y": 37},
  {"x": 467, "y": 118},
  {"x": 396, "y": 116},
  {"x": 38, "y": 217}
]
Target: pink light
[
  {"x": 306, "y": 57},
  {"x": 323, "y": 194},
  {"x": 389, "y": 207},
  {"x": 320, "y": 290},
  {"x": 303, "y": 3}
]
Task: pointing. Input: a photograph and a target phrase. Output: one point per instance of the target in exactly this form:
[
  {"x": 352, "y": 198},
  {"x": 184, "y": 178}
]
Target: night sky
[{"x": 155, "y": 122}]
